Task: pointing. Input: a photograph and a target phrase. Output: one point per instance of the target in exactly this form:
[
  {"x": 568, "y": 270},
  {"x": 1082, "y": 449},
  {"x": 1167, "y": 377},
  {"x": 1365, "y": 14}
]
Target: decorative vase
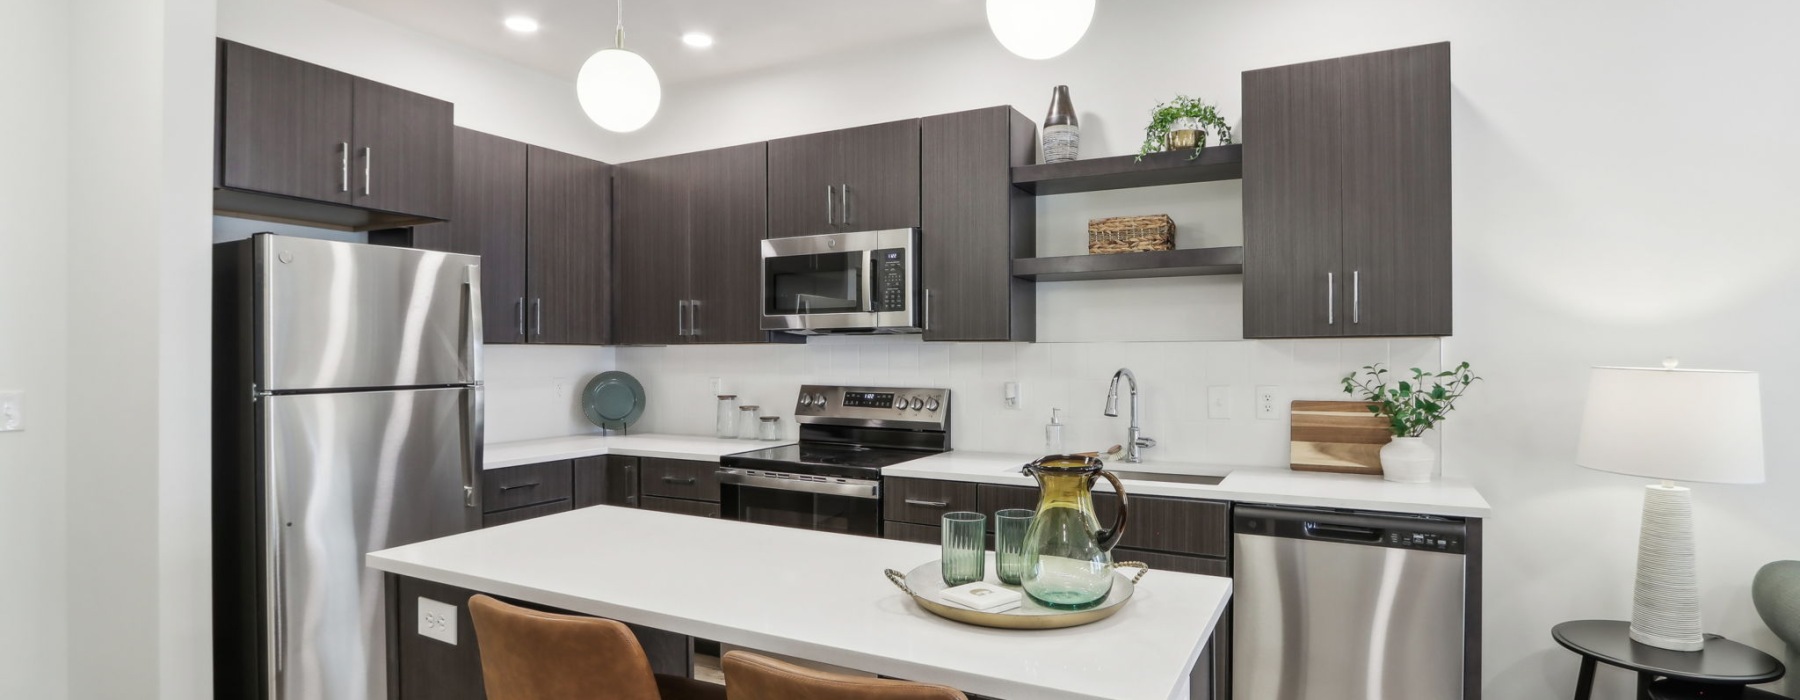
[
  {"x": 1185, "y": 133},
  {"x": 1062, "y": 132},
  {"x": 1408, "y": 460}
]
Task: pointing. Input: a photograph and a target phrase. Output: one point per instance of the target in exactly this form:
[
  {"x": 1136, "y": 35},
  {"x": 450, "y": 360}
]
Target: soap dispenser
[{"x": 1053, "y": 433}]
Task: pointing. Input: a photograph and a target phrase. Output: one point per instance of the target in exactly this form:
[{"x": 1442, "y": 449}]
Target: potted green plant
[
  {"x": 1183, "y": 123},
  {"x": 1411, "y": 407}
]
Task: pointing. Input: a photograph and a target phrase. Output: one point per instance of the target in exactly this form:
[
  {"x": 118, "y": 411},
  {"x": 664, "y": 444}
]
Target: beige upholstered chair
[
  {"x": 752, "y": 677},
  {"x": 532, "y": 655}
]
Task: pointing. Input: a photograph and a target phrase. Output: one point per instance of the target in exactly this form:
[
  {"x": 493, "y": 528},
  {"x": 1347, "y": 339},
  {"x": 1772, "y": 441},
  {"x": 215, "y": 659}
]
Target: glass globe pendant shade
[
  {"x": 619, "y": 90},
  {"x": 1039, "y": 29}
]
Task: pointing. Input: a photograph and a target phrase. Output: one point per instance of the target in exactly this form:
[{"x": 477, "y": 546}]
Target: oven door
[
  {"x": 848, "y": 506},
  {"x": 859, "y": 282}
]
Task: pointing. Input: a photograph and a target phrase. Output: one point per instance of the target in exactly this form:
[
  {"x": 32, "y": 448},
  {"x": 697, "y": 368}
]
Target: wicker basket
[{"x": 1131, "y": 234}]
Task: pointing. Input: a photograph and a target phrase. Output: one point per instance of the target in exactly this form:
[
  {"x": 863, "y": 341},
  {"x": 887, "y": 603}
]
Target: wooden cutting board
[{"x": 1336, "y": 436}]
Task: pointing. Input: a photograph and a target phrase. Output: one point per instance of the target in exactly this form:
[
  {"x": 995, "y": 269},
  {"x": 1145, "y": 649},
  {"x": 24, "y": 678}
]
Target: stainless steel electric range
[{"x": 831, "y": 479}]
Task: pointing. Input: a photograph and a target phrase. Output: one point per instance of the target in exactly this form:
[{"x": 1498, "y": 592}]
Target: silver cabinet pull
[
  {"x": 828, "y": 215},
  {"x": 368, "y": 157},
  {"x": 844, "y": 203},
  {"x": 681, "y": 481},
  {"x": 681, "y": 308},
  {"x": 344, "y": 167},
  {"x": 519, "y": 314},
  {"x": 1356, "y": 296},
  {"x": 693, "y": 318},
  {"x": 927, "y": 504},
  {"x": 537, "y": 316},
  {"x": 926, "y": 312},
  {"x": 1330, "y": 300},
  {"x": 531, "y": 485}
]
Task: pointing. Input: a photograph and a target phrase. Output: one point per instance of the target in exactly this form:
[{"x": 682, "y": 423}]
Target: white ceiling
[{"x": 750, "y": 34}]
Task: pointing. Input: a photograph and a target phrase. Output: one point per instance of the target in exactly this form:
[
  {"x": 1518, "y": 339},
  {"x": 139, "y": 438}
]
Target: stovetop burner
[{"x": 853, "y": 432}]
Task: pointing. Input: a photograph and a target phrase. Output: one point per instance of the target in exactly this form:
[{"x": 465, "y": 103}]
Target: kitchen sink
[{"x": 1202, "y": 479}]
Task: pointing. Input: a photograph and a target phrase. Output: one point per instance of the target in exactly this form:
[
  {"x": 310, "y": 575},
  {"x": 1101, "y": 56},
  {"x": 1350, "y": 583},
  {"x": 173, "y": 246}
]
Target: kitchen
[{"x": 1530, "y": 334}]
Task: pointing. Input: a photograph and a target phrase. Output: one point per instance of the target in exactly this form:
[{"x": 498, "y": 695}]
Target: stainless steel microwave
[{"x": 862, "y": 282}]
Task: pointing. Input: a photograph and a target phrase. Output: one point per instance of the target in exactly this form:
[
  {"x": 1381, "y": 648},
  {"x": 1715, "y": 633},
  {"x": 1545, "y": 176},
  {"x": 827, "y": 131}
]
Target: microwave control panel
[{"x": 890, "y": 279}]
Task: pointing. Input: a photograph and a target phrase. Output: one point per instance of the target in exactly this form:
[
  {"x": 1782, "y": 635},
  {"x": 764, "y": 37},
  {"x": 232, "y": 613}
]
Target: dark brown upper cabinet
[
  {"x": 689, "y": 263},
  {"x": 860, "y": 179},
  {"x": 1347, "y": 196},
  {"x": 974, "y": 222},
  {"x": 303, "y": 143},
  {"x": 541, "y": 222}
]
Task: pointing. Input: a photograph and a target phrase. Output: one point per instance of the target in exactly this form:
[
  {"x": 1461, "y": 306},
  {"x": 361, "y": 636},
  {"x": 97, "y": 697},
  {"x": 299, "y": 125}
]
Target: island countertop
[{"x": 820, "y": 596}]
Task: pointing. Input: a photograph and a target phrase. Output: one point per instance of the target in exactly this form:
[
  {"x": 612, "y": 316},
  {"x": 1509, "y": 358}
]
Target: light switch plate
[
  {"x": 12, "y": 411},
  {"x": 1268, "y": 402},
  {"x": 437, "y": 620},
  {"x": 1218, "y": 402}
]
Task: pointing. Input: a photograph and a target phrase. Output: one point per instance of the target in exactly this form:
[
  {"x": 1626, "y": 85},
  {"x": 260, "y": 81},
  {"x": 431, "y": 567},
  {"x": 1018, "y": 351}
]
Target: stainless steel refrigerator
[{"x": 347, "y": 419}]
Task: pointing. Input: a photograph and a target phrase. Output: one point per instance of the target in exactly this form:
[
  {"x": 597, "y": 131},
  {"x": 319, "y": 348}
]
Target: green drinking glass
[
  {"x": 965, "y": 548},
  {"x": 1010, "y": 526}
]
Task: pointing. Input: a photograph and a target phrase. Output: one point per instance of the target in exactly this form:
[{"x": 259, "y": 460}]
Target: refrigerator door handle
[
  {"x": 274, "y": 563},
  {"x": 472, "y": 322},
  {"x": 473, "y": 429}
]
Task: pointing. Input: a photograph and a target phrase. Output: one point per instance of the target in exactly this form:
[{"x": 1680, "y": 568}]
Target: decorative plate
[
  {"x": 924, "y": 583},
  {"x": 613, "y": 400}
]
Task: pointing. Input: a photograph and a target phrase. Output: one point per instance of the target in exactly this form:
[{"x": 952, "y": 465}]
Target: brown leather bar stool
[
  {"x": 752, "y": 677},
  {"x": 532, "y": 655}
]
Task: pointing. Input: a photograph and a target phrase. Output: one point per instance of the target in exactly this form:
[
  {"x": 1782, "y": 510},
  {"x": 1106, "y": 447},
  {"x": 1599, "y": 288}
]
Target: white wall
[
  {"x": 34, "y": 195},
  {"x": 1622, "y": 192}
]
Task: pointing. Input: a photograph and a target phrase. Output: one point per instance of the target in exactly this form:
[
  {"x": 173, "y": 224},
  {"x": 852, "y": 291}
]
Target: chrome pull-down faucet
[{"x": 1135, "y": 441}]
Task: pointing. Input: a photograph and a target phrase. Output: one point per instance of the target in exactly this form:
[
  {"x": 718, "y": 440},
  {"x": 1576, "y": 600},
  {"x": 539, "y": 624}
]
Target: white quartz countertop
[
  {"x": 820, "y": 596},
  {"x": 706, "y": 449},
  {"x": 1248, "y": 484}
]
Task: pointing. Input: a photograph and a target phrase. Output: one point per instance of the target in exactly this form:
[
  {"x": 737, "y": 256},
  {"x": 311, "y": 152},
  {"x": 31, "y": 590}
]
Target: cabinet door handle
[
  {"x": 1330, "y": 300},
  {"x": 531, "y": 485},
  {"x": 1356, "y": 296},
  {"x": 927, "y": 504},
  {"x": 368, "y": 157},
  {"x": 693, "y": 318},
  {"x": 681, "y": 307},
  {"x": 537, "y": 316},
  {"x": 926, "y": 312},
  {"x": 844, "y": 202},
  {"x": 828, "y": 215},
  {"x": 344, "y": 167},
  {"x": 519, "y": 314},
  {"x": 689, "y": 481}
]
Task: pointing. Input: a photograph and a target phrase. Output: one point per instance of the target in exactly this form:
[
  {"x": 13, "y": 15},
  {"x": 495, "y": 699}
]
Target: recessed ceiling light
[
  {"x": 698, "y": 40},
  {"x": 521, "y": 24}
]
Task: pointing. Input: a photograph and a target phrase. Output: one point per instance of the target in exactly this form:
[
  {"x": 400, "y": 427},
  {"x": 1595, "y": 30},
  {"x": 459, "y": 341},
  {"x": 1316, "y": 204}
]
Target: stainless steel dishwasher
[{"x": 1347, "y": 605}]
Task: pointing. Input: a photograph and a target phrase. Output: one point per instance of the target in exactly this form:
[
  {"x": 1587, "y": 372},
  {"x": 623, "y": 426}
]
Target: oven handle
[{"x": 853, "y": 488}]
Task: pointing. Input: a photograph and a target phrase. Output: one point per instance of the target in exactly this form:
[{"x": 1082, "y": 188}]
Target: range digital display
[{"x": 868, "y": 399}]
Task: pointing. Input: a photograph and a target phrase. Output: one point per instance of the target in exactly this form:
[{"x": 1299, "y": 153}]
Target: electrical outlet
[
  {"x": 437, "y": 620},
  {"x": 718, "y": 385},
  {"x": 1268, "y": 402},
  {"x": 1011, "y": 396},
  {"x": 1218, "y": 402},
  {"x": 12, "y": 411}
]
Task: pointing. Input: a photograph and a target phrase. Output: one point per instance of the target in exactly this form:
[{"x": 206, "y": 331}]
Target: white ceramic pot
[{"x": 1408, "y": 460}]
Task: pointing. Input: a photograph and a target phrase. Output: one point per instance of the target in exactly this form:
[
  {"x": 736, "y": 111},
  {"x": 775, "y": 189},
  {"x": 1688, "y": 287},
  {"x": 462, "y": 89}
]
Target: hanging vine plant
[{"x": 1183, "y": 113}]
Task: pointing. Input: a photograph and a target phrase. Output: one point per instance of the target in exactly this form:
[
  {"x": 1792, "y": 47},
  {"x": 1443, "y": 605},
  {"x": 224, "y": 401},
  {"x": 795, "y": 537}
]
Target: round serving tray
[{"x": 926, "y": 581}]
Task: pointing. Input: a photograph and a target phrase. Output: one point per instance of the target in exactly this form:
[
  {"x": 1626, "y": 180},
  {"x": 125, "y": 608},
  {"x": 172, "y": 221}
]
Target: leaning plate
[
  {"x": 925, "y": 582},
  {"x": 613, "y": 400}
]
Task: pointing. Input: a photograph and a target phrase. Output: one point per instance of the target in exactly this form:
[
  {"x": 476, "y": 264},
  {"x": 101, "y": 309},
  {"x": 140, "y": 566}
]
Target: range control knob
[
  {"x": 819, "y": 400},
  {"x": 900, "y": 403},
  {"x": 931, "y": 404},
  {"x": 805, "y": 400},
  {"x": 916, "y": 403}
]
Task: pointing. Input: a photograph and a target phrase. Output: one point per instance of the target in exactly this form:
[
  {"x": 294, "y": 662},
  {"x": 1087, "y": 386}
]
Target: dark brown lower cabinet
[
  {"x": 682, "y": 507},
  {"x": 609, "y": 480},
  {"x": 422, "y": 668},
  {"x": 525, "y": 513}
]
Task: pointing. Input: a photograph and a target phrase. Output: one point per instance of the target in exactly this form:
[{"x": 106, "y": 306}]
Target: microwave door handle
[{"x": 870, "y": 270}]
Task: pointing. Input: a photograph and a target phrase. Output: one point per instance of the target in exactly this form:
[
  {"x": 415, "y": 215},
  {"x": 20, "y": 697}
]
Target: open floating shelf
[
  {"x": 1193, "y": 262},
  {"x": 1096, "y": 174}
]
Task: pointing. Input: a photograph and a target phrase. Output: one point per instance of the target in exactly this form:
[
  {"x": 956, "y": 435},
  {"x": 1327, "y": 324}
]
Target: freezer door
[
  {"x": 355, "y": 473},
  {"x": 343, "y": 315}
]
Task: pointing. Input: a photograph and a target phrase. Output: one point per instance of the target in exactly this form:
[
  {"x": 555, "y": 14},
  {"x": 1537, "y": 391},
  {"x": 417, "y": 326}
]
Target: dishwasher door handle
[{"x": 1342, "y": 533}]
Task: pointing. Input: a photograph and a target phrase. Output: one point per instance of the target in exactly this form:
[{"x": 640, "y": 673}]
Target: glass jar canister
[
  {"x": 725, "y": 426},
  {"x": 770, "y": 428},
  {"x": 746, "y": 427}
]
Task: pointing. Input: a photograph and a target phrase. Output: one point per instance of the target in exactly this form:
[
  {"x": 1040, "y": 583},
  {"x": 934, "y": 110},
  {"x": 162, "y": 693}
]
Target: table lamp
[{"x": 1673, "y": 425}]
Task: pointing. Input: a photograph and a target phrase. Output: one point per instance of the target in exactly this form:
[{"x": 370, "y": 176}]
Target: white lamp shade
[
  {"x": 618, "y": 90},
  {"x": 1678, "y": 425},
  {"x": 1039, "y": 29}
]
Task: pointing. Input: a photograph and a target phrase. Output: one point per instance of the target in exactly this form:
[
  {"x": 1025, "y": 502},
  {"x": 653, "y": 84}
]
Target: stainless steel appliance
[
  {"x": 831, "y": 479},
  {"x": 863, "y": 282},
  {"x": 347, "y": 419},
  {"x": 1346, "y": 605}
]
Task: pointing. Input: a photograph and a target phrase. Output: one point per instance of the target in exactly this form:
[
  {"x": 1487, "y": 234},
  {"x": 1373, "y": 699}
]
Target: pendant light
[
  {"x": 1039, "y": 29},
  {"x": 618, "y": 89}
]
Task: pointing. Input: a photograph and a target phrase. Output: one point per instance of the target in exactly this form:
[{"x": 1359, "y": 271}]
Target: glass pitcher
[{"x": 1068, "y": 558}]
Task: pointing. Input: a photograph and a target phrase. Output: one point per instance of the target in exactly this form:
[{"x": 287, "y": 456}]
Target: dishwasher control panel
[{"x": 1415, "y": 532}]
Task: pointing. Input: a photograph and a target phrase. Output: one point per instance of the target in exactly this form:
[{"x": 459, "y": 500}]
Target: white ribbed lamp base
[{"x": 1665, "y": 606}]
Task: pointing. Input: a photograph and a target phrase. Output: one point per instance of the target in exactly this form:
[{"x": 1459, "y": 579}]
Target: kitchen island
[{"x": 814, "y": 595}]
